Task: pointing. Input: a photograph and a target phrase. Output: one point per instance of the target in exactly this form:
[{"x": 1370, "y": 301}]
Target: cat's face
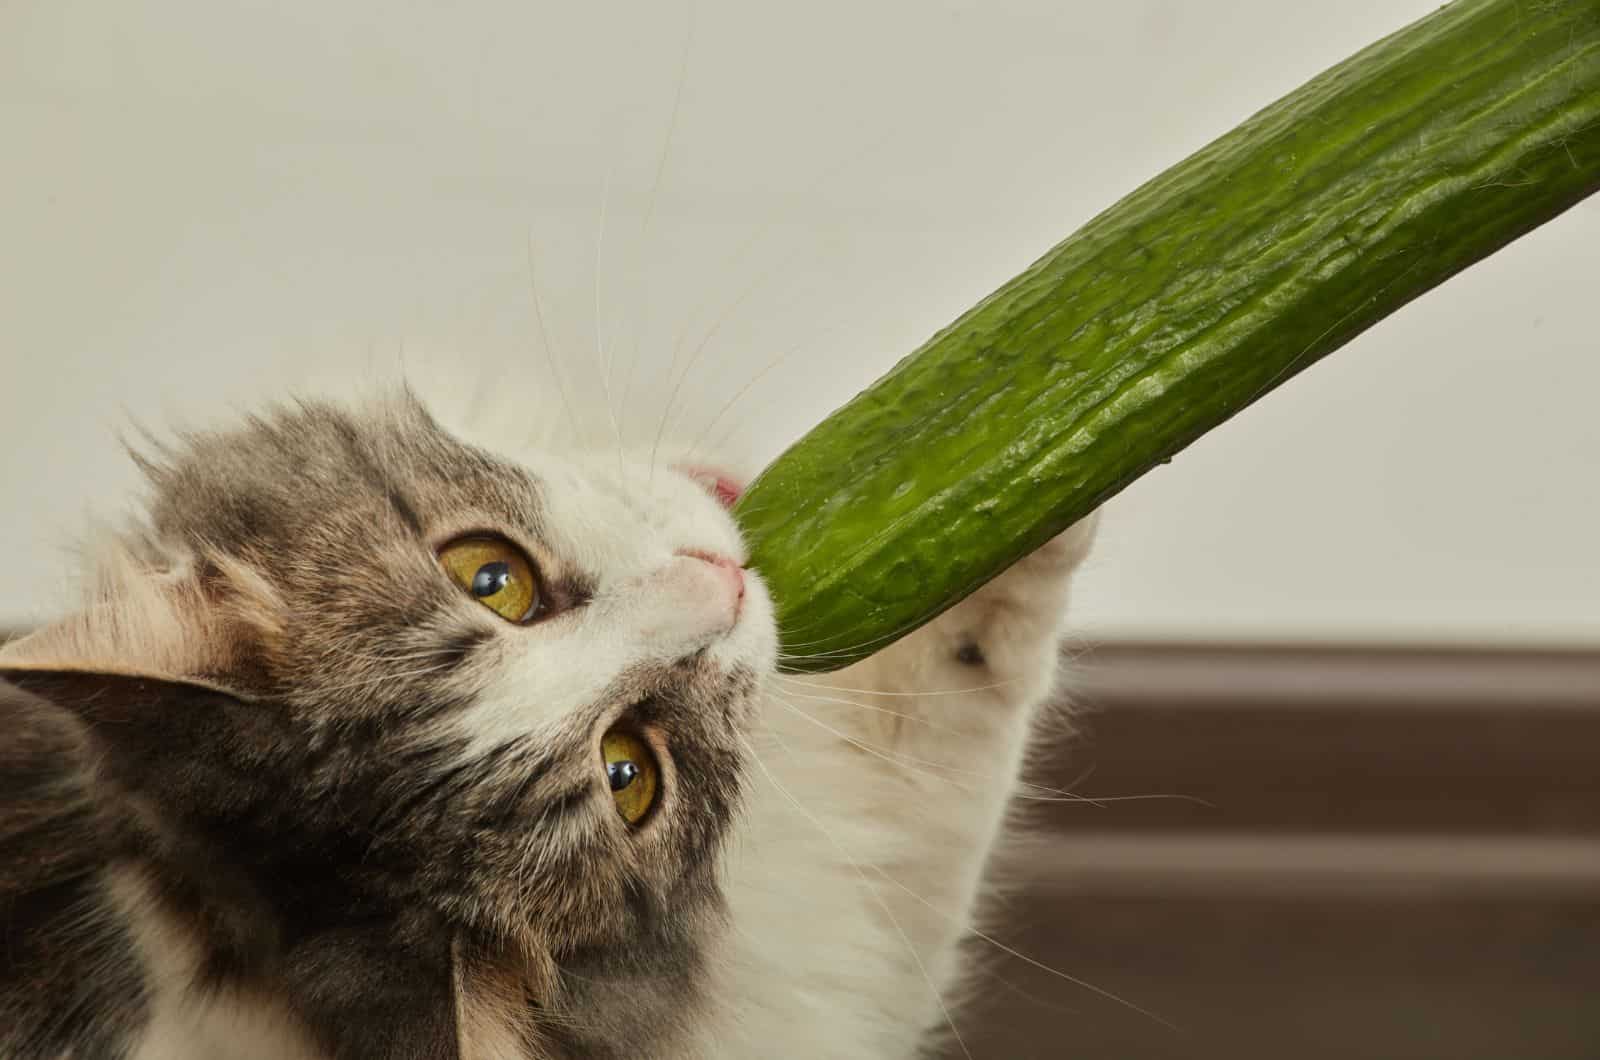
[{"x": 512, "y": 693}]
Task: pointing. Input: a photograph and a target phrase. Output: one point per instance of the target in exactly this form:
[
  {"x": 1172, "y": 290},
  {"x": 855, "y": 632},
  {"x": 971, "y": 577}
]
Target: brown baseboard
[{"x": 1376, "y": 852}]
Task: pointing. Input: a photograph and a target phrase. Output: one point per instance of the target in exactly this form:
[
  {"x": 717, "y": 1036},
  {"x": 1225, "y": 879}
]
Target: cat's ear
[
  {"x": 180, "y": 743},
  {"x": 118, "y": 702},
  {"x": 152, "y": 609},
  {"x": 723, "y": 485}
]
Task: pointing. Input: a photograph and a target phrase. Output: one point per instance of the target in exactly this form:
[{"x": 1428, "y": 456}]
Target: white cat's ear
[{"x": 722, "y": 484}]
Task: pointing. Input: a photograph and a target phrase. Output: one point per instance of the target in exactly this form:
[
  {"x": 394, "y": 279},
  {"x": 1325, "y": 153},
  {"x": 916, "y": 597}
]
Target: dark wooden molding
[
  {"x": 1197, "y": 674},
  {"x": 1331, "y": 740},
  {"x": 1439, "y": 868}
]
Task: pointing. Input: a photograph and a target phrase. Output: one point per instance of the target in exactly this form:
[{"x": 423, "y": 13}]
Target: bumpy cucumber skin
[{"x": 1172, "y": 311}]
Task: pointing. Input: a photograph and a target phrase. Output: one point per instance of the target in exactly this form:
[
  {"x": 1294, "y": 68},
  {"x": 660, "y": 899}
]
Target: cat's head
[{"x": 349, "y": 658}]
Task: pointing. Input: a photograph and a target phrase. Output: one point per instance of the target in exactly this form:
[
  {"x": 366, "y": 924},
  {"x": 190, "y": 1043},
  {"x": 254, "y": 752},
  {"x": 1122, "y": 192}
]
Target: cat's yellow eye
[
  {"x": 632, "y": 773},
  {"x": 494, "y": 572}
]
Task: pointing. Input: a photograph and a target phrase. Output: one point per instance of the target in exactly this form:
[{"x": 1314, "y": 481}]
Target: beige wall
[{"x": 204, "y": 202}]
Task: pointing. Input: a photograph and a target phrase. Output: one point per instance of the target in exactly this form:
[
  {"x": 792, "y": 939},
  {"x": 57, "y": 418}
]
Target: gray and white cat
[{"x": 373, "y": 743}]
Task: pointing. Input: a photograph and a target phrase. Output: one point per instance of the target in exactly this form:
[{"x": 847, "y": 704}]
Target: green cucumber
[{"x": 1172, "y": 311}]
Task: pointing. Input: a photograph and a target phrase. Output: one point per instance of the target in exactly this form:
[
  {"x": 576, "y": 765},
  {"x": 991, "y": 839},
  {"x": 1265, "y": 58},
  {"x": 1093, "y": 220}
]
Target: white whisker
[
  {"x": 906, "y": 761},
  {"x": 894, "y": 758},
  {"x": 716, "y": 328},
  {"x": 1023, "y": 957},
  {"x": 544, "y": 332},
  {"x": 739, "y": 395},
  {"x": 603, "y": 354},
  {"x": 650, "y": 205},
  {"x": 876, "y": 709}
]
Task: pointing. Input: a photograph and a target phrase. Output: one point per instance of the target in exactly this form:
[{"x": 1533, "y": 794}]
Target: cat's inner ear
[
  {"x": 182, "y": 617},
  {"x": 721, "y": 484}
]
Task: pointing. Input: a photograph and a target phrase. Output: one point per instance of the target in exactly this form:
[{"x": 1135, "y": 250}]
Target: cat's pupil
[
  {"x": 490, "y": 579},
  {"x": 621, "y": 774}
]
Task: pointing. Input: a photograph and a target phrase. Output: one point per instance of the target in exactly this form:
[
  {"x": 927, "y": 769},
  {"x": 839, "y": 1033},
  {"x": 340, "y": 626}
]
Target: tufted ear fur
[{"x": 150, "y": 607}]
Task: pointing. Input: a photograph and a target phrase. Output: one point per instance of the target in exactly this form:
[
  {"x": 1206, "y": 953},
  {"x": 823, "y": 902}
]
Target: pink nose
[{"x": 727, "y": 566}]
